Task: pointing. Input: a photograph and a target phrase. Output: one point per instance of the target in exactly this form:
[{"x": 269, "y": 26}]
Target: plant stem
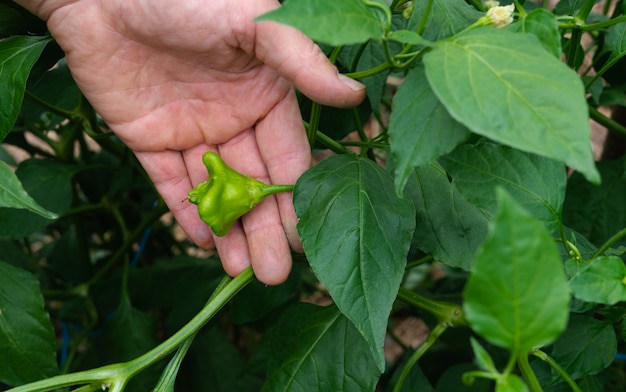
[
  {"x": 616, "y": 237},
  {"x": 527, "y": 372},
  {"x": 314, "y": 119},
  {"x": 417, "y": 262},
  {"x": 554, "y": 365},
  {"x": 275, "y": 188},
  {"x": 446, "y": 313},
  {"x": 168, "y": 377},
  {"x": 434, "y": 334},
  {"x": 152, "y": 217},
  {"x": 49, "y": 107},
  {"x": 422, "y": 24},
  {"x": 332, "y": 144},
  {"x": 603, "y": 120},
  {"x": 369, "y": 72},
  {"x": 600, "y": 25},
  {"x": 116, "y": 376}
]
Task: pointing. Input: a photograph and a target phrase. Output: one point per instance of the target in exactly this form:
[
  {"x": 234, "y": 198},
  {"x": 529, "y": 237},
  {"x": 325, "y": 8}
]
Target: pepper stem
[{"x": 272, "y": 189}]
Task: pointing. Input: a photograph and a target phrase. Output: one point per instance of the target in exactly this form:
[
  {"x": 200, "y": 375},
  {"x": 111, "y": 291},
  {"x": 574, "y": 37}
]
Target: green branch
[
  {"x": 609, "y": 123},
  {"x": 446, "y": 313},
  {"x": 554, "y": 365},
  {"x": 616, "y": 237},
  {"x": 527, "y": 372},
  {"x": 434, "y": 334},
  {"x": 116, "y": 376}
]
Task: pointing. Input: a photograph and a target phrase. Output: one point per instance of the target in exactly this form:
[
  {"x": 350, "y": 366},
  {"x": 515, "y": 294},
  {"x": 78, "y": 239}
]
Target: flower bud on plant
[
  {"x": 498, "y": 16},
  {"x": 227, "y": 194},
  {"x": 501, "y": 16}
]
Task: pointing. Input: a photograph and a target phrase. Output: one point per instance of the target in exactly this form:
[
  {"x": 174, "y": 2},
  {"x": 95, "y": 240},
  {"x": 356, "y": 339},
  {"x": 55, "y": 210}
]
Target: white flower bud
[{"x": 501, "y": 16}]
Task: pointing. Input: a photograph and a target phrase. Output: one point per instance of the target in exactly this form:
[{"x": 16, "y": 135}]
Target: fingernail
[{"x": 353, "y": 84}]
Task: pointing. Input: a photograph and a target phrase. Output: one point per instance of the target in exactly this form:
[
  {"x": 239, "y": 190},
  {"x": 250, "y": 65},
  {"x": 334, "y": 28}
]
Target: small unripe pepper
[{"x": 227, "y": 194}]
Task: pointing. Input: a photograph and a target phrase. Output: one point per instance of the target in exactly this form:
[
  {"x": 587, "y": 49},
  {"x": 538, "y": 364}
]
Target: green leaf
[
  {"x": 27, "y": 341},
  {"x": 257, "y": 300},
  {"x": 506, "y": 87},
  {"x": 483, "y": 359},
  {"x": 448, "y": 226},
  {"x": 328, "y": 21},
  {"x": 129, "y": 334},
  {"x": 451, "y": 380},
  {"x": 511, "y": 383},
  {"x": 603, "y": 281},
  {"x": 615, "y": 42},
  {"x": 543, "y": 24},
  {"x": 17, "y": 57},
  {"x": 445, "y": 18},
  {"x": 56, "y": 89},
  {"x": 50, "y": 184},
  {"x": 597, "y": 212},
  {"x": 318, "y": 349},
  {"x": 415, "y": 379},
  {"x": 409, "y": 37},
  {"x": 517, "y": 296},
  {"x": 214, "y": 364},
  {"x": 586, "y": 347},
  {"x": 420, "y": 128},
  {"x": 356, "y": 234},
  {"x": 537, "y": 183},
  {"x": 13, "y": 195}
]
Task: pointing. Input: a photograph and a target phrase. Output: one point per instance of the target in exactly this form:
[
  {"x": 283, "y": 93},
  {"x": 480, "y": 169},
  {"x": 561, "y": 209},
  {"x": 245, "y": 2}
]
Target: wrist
[{"x": 43, "y": 8}]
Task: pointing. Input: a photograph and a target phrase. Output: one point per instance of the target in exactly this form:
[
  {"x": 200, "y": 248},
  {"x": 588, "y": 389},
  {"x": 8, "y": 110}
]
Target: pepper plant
[{"x": 474, "y": 205}]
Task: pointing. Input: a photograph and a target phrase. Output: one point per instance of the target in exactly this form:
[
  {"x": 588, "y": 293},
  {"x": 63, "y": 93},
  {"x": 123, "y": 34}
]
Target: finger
[
  {"x": 267, "y": 243},
  {"x": 168, "y": 172},
  {"x": 233, "y": 250},
  {"x": 296, "y": 58},
  {"x": 284, "y": 147}
]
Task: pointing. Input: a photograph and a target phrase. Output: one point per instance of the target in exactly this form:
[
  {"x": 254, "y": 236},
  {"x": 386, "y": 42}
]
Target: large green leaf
[
  {"x": 615, "y": 42},
  {"x": 537, "y": 183},
  {"x": 356, "y": 234},
  {"x": 603, "y": 281},
  {"x": 420, "y": 127},
  {"x": 128, "y": 334},
  {"x": 318, "y": 349},
  {"x": 329, "y": 21},
  {"x": 55, "y": 89},
  {"x": 445, "y": 18},
  {"x": 17, "y": 57},
  {"x": 597, "y": 212},
  {"x": 517, "y": 296},
  {"x": 448, "y": 226},
  {"x": 50, "y": 184},
  {"x": 505, "y": 86},
  {"x": 586, "y": 347},
  {"x": 214, "y": 364},
  {"x": 27, "y": 341},
  {"x": 13, "y": 195}
]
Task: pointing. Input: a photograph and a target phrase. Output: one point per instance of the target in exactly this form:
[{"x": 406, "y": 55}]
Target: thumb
[{"x": 299, "y": 60}]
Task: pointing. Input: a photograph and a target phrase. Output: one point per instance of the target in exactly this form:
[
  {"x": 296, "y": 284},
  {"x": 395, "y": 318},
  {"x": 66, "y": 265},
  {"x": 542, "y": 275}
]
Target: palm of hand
[{"x": 174, "y": 80}]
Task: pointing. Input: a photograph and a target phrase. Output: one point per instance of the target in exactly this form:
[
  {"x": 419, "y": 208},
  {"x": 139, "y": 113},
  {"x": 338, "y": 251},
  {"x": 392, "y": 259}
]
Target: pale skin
[{"x": 174, "y": 79}]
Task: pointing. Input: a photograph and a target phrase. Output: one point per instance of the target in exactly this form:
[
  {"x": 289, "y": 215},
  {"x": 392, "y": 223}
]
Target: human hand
[{"x": 175, "y": 79}]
